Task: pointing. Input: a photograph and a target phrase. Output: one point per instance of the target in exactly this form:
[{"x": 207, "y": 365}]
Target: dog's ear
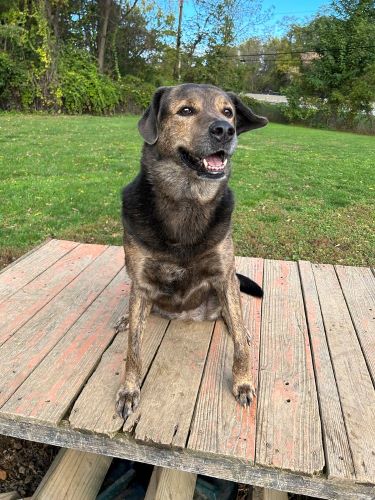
[
  {"x": 245, "y": 118},
  {"x": 148, "y": 124}
]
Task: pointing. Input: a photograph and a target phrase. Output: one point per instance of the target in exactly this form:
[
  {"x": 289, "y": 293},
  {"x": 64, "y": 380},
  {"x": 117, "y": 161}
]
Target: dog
[{"x": 177, "y": 224}]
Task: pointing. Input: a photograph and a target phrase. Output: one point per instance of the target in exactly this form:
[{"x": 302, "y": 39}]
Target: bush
[
  {"x": 313, "y": 112},
  {"x": 318, "y": 113},
  {"x": 82, "y": 89},
  {"x": 135, "y": 94},
  {"x": 12, "y": 79},
  {"x": 274, "y": 112}
]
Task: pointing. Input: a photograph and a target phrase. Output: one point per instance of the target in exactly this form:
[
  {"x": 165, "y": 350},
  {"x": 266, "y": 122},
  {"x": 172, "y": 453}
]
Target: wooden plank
[
  {"x": 220, "y": 425},
  {"x": 169, "y": 392},
  {"x": 22, "y": 353},
  {"x": 266, "y": 494},
  {"x": 51, "y": 388},
  {"x": 73, "y": 475},
  {"x": 24, "y": 304},
  {"x": 358, "y": 285},
  {"x": 170, "y": 484},
  {"x": 225, "y": 467},
  {"x": 25, "y": 255},
  {"x": 29, "y": 266},
  {"x": 354, "y": 383},
  {"x": 11, "y": 495},
  {"x": 336, "y": 444},
  {"x": 289, "y": 428},
  {"x": 94, "y": 409}
]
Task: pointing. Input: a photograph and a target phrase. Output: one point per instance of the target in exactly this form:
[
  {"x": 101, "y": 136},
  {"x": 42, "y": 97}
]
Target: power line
[
  {"x": 294, "y": 12},
  {"x": 310, "y": 51}
]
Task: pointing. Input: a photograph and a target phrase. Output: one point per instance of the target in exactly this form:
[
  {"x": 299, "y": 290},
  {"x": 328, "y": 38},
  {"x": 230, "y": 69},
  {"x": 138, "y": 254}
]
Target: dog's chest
[{"x": 179, "y": 281}]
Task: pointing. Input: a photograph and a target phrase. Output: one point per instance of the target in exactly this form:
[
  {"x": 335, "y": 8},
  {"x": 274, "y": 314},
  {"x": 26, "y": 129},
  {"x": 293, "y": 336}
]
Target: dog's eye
[
  {"x": 185, "y": 111},
  {"x": 228, "y": 112}
]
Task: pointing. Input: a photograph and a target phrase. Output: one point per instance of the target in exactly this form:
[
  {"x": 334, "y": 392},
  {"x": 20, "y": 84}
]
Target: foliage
[
  {"x": 82, "y": 89},
  {"x": 342, "y": 69},
  {"x": 135, "y": 94},
  {"x": 12, "y": 79},
  {"x": 107, "y": 56},
  {"x": 312, "y": 112},
  {"x": 275, "y": 113}
]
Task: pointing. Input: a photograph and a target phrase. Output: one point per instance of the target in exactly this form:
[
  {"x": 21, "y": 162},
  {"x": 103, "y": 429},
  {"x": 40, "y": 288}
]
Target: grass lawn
[{"x": 300, "y": 193}]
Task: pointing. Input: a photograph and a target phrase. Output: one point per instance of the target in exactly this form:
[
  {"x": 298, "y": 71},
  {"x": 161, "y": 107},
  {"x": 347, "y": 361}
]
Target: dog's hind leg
[
  {"x": 128, "y": 395},
  {"x": 230, "y": 299}
]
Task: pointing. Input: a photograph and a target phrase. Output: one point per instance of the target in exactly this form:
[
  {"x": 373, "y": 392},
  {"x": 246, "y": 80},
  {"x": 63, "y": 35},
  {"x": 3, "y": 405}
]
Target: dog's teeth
[
  {"x": 205, "y": 162},
  {"x": 225, "y": 161}
]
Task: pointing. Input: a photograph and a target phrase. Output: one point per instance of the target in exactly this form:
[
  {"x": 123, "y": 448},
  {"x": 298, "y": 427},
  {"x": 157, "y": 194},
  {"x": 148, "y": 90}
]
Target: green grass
[{"x": 300, "y": 193}]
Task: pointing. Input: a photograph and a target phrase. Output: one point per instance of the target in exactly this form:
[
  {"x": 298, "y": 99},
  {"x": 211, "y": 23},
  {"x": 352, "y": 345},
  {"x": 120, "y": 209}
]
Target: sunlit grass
[{"x": 300, "y": 193}]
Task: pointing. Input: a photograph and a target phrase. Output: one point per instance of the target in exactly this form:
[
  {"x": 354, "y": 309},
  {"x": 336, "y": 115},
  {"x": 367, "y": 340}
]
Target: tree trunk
[
  {"x": 103, "y": 35},
  {"x": 177, "y": 67}
]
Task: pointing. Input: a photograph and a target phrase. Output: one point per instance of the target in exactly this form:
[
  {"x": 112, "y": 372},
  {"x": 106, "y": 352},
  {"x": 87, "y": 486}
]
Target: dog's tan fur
[{"x": 194, "y": 276}]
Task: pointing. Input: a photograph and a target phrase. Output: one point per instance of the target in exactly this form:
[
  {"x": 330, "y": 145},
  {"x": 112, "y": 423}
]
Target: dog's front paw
[
  {"x": 244, "y": 392},
  {"x": 127, "y": 400}
]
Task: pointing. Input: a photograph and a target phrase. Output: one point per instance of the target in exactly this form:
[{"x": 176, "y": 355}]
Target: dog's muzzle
[{"x": 210, "y": 167}]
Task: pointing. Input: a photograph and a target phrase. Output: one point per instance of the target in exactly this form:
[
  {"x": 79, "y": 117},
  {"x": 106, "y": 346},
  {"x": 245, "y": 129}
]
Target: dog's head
[{"x": 196, "y": 126}]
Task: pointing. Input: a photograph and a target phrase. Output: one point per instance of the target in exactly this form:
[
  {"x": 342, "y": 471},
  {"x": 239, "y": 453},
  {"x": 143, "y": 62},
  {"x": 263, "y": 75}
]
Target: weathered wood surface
[
  {"x": 22, "y": 353},
  {"x": 52, "y": 387},
  {"x": 11, "y": 495},
  {"x": 354, "y": 383},
  {"x": 219, "y": 426},
  {"x": 220, "y": 466},
  {"x": 338, "y": 455},
  {"x": 266, "y": 494},
  {"x": 358, "y": 285},
  {"x": 62, "y": 361},
  {"x": 169, "y": 392},
  {"x": 104, "y": 383},
  {"x": 289, "y": 428},
  {"x": 29, "y": 266},
  {"x": 30, "y": 299},
  {"x": 169, "y": 484},
  {"x": 73, "y": 475}
]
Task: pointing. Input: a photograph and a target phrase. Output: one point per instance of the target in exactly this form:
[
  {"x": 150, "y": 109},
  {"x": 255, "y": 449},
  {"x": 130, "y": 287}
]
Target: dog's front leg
[
  {"x": 127, "y": 398},
  {"x": 230, "y": 301}
]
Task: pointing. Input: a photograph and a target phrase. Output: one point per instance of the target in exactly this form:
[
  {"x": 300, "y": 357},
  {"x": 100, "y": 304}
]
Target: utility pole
[{"x": 177, "y": 67}]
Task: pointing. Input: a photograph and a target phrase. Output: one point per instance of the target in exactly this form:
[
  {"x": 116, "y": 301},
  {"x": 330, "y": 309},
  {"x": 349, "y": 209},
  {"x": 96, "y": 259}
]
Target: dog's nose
[{"x": 222, "y": 130}]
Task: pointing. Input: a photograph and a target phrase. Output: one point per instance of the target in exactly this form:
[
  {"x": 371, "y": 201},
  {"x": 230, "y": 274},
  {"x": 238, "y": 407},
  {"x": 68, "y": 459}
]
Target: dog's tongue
[{"x": 214, "y": 160}]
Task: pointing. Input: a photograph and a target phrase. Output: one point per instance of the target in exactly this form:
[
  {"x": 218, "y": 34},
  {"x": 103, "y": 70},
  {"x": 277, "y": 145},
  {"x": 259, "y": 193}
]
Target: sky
[
  {"x": 295, "y": 10},
  {"x": 300, "y": 10},
  {"x": 292, "y": 7}
]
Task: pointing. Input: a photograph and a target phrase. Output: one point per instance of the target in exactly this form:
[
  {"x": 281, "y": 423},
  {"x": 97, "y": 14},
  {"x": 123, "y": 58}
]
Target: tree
[
  {"x": 214, "y": 30},
  {"x": 104, "y": 9},
  {"x": 342, "y": 69}
]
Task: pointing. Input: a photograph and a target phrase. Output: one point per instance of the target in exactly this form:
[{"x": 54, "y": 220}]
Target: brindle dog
[{"x": 177, "y": 224}]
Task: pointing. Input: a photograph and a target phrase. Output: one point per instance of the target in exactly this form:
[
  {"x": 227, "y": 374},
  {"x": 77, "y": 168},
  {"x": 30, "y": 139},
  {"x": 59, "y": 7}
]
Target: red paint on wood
[
  {"x": 24, "y": 304},
  {"x": 288, "y": 427},
  {"x": 29, "y": 267},
  {"x": 220, "y": 424},
  {"x": 63, "y": 372},
  {"x": 25, "y": 349}
]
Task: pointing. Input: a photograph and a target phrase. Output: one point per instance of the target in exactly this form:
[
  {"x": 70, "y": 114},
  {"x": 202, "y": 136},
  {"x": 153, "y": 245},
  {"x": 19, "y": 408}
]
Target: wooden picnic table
[{"x": 310, "y": 430}]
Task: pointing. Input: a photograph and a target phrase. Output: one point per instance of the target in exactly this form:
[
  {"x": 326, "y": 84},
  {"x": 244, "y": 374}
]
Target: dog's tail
[{"x": 249, "y": 286}]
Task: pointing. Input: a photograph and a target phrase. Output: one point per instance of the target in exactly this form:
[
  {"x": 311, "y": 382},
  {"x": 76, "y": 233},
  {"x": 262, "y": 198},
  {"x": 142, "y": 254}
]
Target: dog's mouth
[{"x": 211, "y": 166}]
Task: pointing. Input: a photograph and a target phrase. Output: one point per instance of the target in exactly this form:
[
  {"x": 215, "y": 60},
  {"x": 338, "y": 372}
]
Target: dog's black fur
[{"x": 141, "y": 222}]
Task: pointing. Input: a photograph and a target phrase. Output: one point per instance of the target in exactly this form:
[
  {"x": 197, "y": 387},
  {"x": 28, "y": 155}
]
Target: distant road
[{"x": 273, "y": 99}]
